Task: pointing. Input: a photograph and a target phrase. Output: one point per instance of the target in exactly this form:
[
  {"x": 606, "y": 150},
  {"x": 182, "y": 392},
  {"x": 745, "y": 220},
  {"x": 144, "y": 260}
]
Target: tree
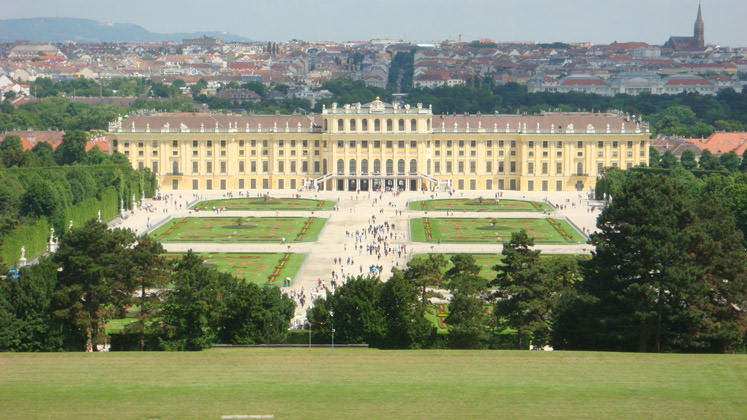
[
  {"x": 95, "y": 275},
  {"x": 652, "y": 278},
  {"x": 26, "y": 309},
  {"x": 151, "y": 273},
  {"x": 466, "y": 319},
  {"x": 11, "y": 151},
  {"x": 708, "y": 161},
  {"x": 193, "y": 307},
  {"x": 72, "y": 149},
  {"x": 424, "y": 272},
  {"x": 668, "y": 160},
  {"x": 39, "y": 199},
  {"x": 687, "y": 159},
  {"x": 654, "y": 157},
  {"x": 524, "y": 290},
  {"x": 254, "y": 315},
  {"x": 743, "y": 164},
  {"x": 404, "y": 316},
  {"x": 730, "y": 161}
]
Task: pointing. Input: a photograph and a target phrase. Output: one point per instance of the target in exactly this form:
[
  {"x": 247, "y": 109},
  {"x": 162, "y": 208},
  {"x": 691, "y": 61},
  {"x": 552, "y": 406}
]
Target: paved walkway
[{"x": 358, "y": 212}]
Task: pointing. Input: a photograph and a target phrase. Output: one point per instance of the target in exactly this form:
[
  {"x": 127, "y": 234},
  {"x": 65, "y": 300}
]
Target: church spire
[{"x": 699, "y": 32}]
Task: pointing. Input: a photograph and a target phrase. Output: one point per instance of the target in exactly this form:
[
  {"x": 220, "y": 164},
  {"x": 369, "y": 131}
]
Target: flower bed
[
  {"x": 278, "y": 268},
  {"x": 560, "y": 230},
  {"x": 427, "y": 226},
  {"x": 305, "y": 228}
]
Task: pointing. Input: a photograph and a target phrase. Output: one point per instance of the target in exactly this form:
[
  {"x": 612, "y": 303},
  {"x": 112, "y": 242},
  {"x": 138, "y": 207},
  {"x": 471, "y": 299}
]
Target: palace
[{"x": 380, "y": 145}]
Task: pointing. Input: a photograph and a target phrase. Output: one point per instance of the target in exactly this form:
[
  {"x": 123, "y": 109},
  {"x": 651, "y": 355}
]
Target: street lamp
[
  {"x": 309, "y": 324},
  {"x": 332, "y": 313}
]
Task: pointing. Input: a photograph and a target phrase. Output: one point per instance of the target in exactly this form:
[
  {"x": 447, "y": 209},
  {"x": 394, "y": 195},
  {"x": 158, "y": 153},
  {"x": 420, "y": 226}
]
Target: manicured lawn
[
  {"x": 372, "y": 384},
  {"x": 259, "y": 203},
  {"x": 474, "y": 204},
  {"x": 252, "y": 229},
  {"x": 255, "y": 267},
  {"x": 487, "y": 261},
  {"x": 461, "y": 230}
]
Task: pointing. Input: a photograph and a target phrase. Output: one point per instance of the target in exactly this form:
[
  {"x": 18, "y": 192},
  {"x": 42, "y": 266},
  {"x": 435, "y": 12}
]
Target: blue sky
[{"x": 597, "y": 21}]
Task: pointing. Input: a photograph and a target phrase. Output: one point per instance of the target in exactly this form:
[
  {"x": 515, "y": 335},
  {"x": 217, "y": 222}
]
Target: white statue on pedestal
[
  {"x": 23, "y": 252},
  {"x": 99, "y": 217},
  {"x": 70, "y": 227}
]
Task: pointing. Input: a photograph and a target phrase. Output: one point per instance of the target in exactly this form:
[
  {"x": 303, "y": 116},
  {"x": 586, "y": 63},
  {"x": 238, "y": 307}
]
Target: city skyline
[{"x": 507, "y": 21}]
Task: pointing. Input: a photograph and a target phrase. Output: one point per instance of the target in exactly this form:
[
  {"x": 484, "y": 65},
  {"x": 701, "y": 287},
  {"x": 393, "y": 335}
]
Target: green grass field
[
  {"x": 461, "y": 230},
  {"x": 487, "y": 261},
  {"x": 474, "y": 204},
  {"x": 260, "y": 204},
  {"x": 252, "y": 229},
  {"x": 253, "y": 267},
  {"x": 372, "y": 384}
]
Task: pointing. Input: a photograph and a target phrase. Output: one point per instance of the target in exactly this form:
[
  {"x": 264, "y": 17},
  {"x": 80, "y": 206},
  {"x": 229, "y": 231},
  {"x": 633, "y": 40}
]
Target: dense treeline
[
  {"x": 41, "y": 188},
  {"x": 688, "y": 115},
  {"x": 64, "y": 301},
  {"x": 711, "y": 177}
]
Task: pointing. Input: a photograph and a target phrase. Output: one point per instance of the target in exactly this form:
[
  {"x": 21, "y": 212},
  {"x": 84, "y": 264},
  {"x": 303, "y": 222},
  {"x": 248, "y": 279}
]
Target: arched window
[
  {"x": 324, "y": 166},
  {"x": 580, "y": 169},
  {"x": 413, "y": 125},
  {"x": 428, "y": 166},
  {"x": 428, "y": 125},
  {"x": 401, "y": 166},
  {"x": 339, "y": 124},
  {"x": 340, "y": 166},
  {"x": 175, "y": 168},
  {"x": 377, "y": 125},
  {"x": 377, "y": 166},
  {"x": 389, "y": 125},
  {"x": 351, "y": 166},
  {"x": 352, "y": 124},
  {"x": 325, "y": 124},
  {"x": 364, "y": 125},
  {"x": 364, "y": 166},
  {"x": 389, "y": 166},
  {"x": 401, "y": 125},
  {"x": 413, "y": 166}
]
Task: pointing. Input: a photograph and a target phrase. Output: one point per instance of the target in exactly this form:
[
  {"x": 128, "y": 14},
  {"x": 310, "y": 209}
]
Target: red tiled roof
[
  {"x": 692, "y": 81},
  {"x": 720, "y": 143},
  {"x": 584, "y": 81}
]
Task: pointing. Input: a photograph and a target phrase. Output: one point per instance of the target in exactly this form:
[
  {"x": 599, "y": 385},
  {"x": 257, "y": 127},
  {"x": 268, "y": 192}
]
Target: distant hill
[{"x": 86, "y": 30}]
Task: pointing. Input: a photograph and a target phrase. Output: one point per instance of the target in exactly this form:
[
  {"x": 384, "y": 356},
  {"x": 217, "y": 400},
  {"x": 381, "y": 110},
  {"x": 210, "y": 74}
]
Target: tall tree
[
  {"x": 95, "y": 274},
  {"x": 524, "y": 290},
  {"x": 72, "y": 149},
  {"x": 254, "y": 315},
  {"x": 708, "y": 161},
  {"x": 467, "y": 309},
  {"x": 192, "y": 308},
  {"x": 648, "y": 275},
  {"x": 26, "y": 309},
  {"x": 425, "y": 272},
  {"x": 151, "y": 274},
  {"x": 404, "y": 315},
  {"x": 730, "y": 161},
  {"x": 687, "y": 159}
]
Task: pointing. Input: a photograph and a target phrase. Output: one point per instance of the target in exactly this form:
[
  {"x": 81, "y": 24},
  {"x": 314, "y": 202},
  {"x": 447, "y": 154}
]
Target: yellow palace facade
[{"x": 380, "y": 145}]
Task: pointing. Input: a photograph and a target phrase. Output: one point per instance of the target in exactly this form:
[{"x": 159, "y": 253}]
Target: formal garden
[
  {"x": 496, "y": 230},
  {"x": 264, "y": 203},
  {"x": 259, "y": 268},
  {"x": 240, "y": 229},
  {"x": 480, "y": 204}
]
